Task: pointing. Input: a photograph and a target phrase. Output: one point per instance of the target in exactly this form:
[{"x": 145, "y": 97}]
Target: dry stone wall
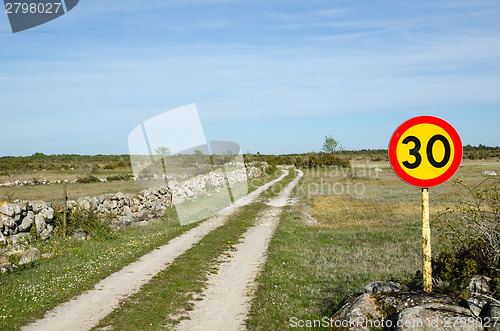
[{"x": 19, "y": 218}]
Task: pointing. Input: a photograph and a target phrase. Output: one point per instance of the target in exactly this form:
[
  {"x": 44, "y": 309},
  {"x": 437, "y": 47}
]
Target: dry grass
[{"x": 54, "y": 192}]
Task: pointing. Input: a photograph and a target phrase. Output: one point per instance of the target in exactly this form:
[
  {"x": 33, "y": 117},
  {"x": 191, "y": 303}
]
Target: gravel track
[{"x": 226, "y": 300}]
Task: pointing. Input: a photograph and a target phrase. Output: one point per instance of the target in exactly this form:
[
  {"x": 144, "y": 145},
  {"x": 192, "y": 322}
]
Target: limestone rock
[
  {"x": 20, "y": 238},
  {"x": 45, "y": 235},
  {"x": 48, "y": 214},
  {"x": 7, "y": 209},
  {"x": 479, "y": 285},
  {"x": 372, "y": 308},
  {"x": 7, "y": 221},
  {"x": 493, "y": 316},
  {"x": 37, "y": 206},
  {"x": 436, "y": 317},
  {"x": 488, "y": 173},
  {"x": 40, "y": 223},
  {"x": 436, "y": 284},
  {"x": 6, "y": 267},
  {"x": 80, "y": 235},
  {"x": 27, "y": 222},
  {"x": 478, "y": 305},
  {"x": 384, "y": 286},
  {"x": 29, "y": 256},
  {"x": 125, "y": 220},
  {"x": 358, "y": 308}
]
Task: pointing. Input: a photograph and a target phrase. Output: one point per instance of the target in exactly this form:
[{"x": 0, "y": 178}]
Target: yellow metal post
[{"x": 426, "y": 242}]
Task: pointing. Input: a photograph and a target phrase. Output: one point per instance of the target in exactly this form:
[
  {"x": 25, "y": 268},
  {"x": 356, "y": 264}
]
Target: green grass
[
  {"x": 75, "y": 267},
  {"x": 165, "y": 300}
]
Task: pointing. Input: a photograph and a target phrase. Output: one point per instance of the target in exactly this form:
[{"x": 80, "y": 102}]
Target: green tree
[
  {"x": 163, "y": 151},
  {"x": 332, "y": 146}
]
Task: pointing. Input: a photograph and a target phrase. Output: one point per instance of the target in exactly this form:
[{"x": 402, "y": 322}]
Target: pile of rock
[
  {"x": 157, "y": 199},
  {"x": 488, "y": 173},
  {"x": 392, "y": 306},
  {"x": 34, "y": 182},
  {"x": 21, "y": 217},
  {"x": 17, "y": 219}
]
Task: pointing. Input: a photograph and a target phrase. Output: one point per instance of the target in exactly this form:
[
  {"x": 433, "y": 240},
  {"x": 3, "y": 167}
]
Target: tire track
[{"x": 226, "y": 301}]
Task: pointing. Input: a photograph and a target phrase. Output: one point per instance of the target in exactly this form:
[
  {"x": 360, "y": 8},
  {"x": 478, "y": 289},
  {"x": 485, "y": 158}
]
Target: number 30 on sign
[{"x": 425, "y": 151}]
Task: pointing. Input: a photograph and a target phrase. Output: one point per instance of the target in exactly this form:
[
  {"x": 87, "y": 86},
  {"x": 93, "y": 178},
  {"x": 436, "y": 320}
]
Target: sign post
[
  {"x": 426, "y": 242},
  {"x": 425, "y": 151}
]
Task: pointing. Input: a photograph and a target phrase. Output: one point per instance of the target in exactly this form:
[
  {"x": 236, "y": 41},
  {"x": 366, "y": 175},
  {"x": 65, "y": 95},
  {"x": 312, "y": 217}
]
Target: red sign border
[{"x": 457, "y": 159}]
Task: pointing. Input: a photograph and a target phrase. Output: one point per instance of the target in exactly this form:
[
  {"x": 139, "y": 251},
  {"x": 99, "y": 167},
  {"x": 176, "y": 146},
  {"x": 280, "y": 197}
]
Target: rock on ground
[
  {"x": 436, "y": 316},
  {"x": 29, "y": 256},
  {"x": 384, "y": 286}
]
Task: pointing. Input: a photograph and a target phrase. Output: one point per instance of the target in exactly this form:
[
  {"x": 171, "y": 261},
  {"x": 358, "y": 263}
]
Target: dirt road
[{"x": 226, "y": 301}]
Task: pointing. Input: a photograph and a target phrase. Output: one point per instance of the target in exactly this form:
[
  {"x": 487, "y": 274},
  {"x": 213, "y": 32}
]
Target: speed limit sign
[{"x": 425, "y": 151}]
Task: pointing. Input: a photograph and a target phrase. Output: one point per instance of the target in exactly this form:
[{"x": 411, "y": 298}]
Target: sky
[{"x": 274, "y": 76}]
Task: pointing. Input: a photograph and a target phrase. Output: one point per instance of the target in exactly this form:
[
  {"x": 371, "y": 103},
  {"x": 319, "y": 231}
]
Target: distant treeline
[
  {"x": 481, "y": 152},
  {"x": 40, "y": 161}
]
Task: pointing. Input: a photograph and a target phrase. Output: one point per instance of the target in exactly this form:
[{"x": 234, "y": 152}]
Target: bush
[
  {"x": 88, "y": 179},
  {"x": 472, "y": 230},
  {"x": 271, "y": 169},
  {"x": 322, "y": 160},
  {"x": 89, "y": 221}
]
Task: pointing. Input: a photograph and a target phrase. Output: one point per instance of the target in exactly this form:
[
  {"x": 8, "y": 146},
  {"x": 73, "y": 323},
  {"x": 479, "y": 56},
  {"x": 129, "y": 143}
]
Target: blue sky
[{"x": 273, "y": 76}]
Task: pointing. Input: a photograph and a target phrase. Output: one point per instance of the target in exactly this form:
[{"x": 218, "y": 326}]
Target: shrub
[
  {"x": 88, "y": 179},
  {"x": 322, "y": 160},
  {"x": 89, "y": 221},
  {"x": 472, "y": 231},
  {"x": 271, "y": 169}
]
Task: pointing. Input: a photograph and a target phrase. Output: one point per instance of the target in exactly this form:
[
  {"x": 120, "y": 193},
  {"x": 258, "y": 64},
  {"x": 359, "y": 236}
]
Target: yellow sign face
[
  {"x": 416, "y": 152},
  {"x": 425, "y": 151}
]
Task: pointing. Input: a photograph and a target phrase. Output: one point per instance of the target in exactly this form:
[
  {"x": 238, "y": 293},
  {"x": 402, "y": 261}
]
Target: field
[
  {"x": 355, "y": 230},
  {"x": 347, "y": 227}
]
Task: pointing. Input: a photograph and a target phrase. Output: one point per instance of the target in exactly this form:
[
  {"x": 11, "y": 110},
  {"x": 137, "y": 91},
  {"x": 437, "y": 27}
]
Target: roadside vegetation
[
  {"x": 471, "y": 231},
  {"x": 74, "y": 266}
]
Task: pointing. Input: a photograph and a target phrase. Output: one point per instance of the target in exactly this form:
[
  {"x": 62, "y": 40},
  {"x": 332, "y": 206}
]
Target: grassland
[
  {"x": 347, "y": 228},
  {"x": 334, "y": 241}
]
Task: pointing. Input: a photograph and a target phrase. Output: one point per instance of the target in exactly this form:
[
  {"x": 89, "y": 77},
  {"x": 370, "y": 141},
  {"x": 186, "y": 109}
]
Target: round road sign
[{"x": 425, "y": 151}]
